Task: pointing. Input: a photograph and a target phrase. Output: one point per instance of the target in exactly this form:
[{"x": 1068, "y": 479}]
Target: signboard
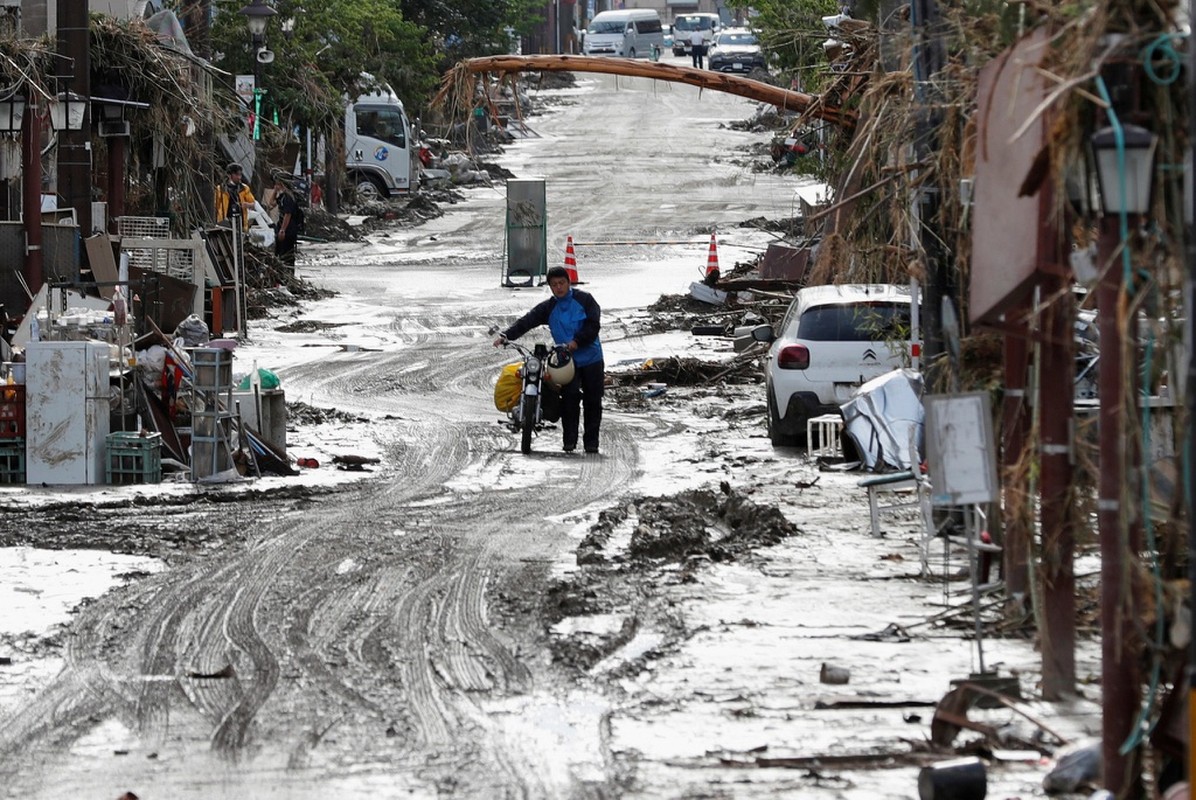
[
  {"x": 960, "y": 449},
  {"x": 244, "y": 86}
]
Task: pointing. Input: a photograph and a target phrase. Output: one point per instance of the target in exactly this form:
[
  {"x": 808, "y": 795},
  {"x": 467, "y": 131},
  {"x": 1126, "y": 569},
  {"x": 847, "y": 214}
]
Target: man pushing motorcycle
[{"x": 574, "y": 318}]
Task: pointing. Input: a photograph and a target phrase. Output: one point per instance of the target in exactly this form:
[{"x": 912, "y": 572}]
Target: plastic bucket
[{"x": 962, "y": 779}]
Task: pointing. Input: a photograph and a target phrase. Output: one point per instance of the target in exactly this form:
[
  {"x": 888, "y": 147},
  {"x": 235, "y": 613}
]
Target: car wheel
[{"x": 775, "y": 434}]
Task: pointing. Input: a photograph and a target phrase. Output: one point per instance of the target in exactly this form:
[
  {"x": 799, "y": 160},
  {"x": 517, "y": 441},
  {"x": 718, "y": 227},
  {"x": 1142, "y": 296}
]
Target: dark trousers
[
  {"x": 585, "y": 390},
  {"x": 697, "y": 51},
  {"x": 284, "y": 248}
]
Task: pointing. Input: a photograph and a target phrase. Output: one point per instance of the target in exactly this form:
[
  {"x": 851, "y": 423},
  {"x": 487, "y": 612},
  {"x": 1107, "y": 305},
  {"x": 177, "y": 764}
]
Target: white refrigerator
[{"x": 67, "y": 403}]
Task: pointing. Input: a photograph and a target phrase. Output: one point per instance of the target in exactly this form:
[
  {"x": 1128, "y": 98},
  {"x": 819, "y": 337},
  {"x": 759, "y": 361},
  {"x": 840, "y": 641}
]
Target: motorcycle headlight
[{"x": 532, "y": 366}]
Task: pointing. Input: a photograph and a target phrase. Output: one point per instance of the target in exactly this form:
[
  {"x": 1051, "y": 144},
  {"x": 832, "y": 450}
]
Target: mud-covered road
[{"x": 408, "y": 635}]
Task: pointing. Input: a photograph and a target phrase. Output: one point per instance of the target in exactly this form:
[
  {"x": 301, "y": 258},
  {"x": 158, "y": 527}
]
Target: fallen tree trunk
[{"x": 783, "y": 99}]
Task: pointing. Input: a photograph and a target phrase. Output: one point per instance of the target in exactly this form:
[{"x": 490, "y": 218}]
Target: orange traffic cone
[
  {"x": 712, "y": 258},
  {"x": 570, "y": 260}
]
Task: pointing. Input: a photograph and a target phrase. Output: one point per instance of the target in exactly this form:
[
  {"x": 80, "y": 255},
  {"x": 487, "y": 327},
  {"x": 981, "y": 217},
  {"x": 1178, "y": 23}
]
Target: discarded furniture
[
  {"x": 823, "y": 438},
  {"x": 897, "y": 491},
  {"x": 211, "y": 414},
  {"x": 264, "y": 411},
  {"x": 67, "y": 411}
]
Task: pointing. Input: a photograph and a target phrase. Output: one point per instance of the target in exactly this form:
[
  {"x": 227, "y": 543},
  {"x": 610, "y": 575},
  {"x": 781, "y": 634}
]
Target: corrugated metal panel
[{"x": 1006, "y": 227}]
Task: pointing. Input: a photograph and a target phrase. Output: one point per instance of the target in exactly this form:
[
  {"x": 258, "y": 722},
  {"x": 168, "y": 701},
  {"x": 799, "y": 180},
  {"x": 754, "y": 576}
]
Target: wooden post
[{"x": 1121, "y": 680}]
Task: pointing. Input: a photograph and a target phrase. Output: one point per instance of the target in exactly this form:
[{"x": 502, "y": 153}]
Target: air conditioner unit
[{"x": 114, "y": 127}]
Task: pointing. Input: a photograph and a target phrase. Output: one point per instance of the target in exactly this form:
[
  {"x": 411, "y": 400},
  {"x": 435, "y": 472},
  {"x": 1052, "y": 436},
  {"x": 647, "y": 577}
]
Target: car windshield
[
  {"x": 857, "y": 322},
  {"x": 693, "y": 24},
  {"x": 605, "y": 26},
  {"x": 736, "y": 39}
]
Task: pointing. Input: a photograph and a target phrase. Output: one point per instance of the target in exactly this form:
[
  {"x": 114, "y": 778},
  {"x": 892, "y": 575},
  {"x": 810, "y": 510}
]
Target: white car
[{"x": 832, "y": 339}]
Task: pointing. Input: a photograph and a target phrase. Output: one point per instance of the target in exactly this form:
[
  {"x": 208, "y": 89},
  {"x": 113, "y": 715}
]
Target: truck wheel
[
  {"x": 368, "y": 190},
  {"x": 528, "y": 416}
]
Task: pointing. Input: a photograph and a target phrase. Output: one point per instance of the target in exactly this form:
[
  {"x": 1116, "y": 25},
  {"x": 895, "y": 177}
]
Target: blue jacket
[{"x": 575, "y": 317}]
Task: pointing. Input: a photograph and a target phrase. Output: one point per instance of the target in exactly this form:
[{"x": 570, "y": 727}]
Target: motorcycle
[{"x": 543, "y": 368}]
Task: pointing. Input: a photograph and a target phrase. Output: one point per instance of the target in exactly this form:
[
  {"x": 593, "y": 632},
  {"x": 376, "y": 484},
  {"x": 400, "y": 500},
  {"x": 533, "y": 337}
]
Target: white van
[
  {"x": 684, "y": 26},
  {"x": 629, "y": 33}
]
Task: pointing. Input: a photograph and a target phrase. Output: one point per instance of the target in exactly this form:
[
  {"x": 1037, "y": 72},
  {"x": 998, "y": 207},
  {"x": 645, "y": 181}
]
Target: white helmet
[{"x": 558, "y": 366}]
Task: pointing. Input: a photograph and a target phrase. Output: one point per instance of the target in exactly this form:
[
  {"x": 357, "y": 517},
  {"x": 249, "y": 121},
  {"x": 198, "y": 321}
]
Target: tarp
[{"x": 884, "y": 417}]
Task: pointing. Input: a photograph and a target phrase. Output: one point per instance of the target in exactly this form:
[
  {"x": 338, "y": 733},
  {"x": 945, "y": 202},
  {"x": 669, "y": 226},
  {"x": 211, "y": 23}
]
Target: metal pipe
[
  {"x": 31, "y": 203},
  {"x": 116, "y": 178}
]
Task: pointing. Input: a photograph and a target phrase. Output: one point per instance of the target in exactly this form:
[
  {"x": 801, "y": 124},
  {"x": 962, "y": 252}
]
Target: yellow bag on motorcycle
[{"x": 508, "y": 388}]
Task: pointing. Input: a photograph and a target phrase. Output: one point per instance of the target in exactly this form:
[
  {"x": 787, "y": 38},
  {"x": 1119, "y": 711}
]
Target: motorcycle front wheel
[{"x": 527, "y": 423}]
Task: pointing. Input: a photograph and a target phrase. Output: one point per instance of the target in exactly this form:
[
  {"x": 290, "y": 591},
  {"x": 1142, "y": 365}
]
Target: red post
[
  {"x": 31, "y": 202},
  {"x": 1056, "y": 389},
  {"x": 1121, "y": 680}
]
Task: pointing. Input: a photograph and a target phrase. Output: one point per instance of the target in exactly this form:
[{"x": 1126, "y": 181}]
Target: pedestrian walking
[
  {"x": 290, "y": 220},
  {"x": 574, "y": 318},
  {"x": 697, "y": 48}
]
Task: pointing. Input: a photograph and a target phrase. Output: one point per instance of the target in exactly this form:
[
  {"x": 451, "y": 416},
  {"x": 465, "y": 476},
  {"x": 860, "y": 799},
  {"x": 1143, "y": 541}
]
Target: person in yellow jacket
[{"x": 234, "y": 196}]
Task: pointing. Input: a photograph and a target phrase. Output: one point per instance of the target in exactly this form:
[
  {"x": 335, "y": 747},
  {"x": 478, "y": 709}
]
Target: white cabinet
[{"x": 67, "y": 403}]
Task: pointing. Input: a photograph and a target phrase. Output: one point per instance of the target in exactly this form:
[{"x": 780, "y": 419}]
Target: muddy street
[{"x": 426, "y": 630}]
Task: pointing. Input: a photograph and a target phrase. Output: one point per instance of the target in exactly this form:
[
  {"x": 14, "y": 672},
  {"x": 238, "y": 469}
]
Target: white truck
[{"x": 381, "y": 152}]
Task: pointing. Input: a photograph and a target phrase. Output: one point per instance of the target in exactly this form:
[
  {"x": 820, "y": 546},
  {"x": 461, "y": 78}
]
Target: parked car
[
  {"x": 735, "y": 50},
  {"x": 831, "y": 340}
]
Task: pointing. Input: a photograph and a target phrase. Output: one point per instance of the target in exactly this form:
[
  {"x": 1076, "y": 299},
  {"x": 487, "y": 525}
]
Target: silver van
[
  {"x": 684, "y": 26},
  {"x": 626, "y": 33}
]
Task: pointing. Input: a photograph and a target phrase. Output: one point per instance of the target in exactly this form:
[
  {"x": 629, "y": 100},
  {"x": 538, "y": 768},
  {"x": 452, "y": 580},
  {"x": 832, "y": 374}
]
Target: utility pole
[
  {"x": 1189, "y": 445},
  {"x": 196, "y": 16},
  {"x": 928, "y": 61},
  {"x": 74, "y": 74}
]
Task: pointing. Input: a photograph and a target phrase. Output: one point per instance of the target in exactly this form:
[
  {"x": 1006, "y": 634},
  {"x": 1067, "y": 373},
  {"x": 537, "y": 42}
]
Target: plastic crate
[
  {"x": 12, "y": 460},
  {"x": 134, "y": 458},
  {"x": 12, "y": 411}
]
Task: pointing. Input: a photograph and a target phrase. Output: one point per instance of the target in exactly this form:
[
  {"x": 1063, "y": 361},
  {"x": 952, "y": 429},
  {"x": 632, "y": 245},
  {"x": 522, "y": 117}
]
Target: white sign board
[{"x": 960, "y": 449}]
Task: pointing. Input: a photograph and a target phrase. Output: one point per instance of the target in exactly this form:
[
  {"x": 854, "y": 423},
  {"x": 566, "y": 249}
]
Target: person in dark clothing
[
  {"x": 287, "y": 232},
  {"x": 574, "y": 318}
]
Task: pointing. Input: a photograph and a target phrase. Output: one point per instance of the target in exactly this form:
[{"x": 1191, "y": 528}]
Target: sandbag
[{"x": 508, "y": 388}]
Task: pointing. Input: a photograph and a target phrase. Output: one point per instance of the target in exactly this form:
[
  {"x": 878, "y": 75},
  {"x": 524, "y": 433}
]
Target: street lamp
[
  {"x": 1125, "y": 170},
  {"x": 257, "y": 15},
  {"x": 12, "y": 113},
  {"x": 67, "y": 111}
]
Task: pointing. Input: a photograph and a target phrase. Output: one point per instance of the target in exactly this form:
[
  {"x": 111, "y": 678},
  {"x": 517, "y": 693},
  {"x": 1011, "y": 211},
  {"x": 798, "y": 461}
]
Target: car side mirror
[{"x": 763, "y": 333}]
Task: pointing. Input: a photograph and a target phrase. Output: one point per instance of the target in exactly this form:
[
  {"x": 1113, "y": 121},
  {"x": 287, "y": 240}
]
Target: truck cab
[
  {"x": 380, "y": 150},
  {"x": 684, "y": 26}
]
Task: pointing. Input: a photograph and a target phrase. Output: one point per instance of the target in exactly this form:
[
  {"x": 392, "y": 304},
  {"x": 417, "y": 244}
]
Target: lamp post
[
  {"x": 1124, "y": 157},
  {"x": 12, "y": 113},
  {"x": 257, "y": 17}
]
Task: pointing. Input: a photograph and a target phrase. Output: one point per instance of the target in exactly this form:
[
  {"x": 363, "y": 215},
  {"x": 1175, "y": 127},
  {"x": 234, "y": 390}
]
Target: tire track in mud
[{"x": 400, "y": 643}]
